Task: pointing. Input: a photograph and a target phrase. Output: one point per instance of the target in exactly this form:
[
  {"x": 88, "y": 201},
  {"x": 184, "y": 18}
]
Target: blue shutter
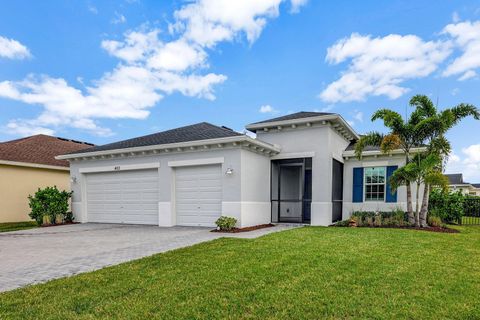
[
  {"x": 357, "y": 185},
  {"x": 390, "y": 197}
]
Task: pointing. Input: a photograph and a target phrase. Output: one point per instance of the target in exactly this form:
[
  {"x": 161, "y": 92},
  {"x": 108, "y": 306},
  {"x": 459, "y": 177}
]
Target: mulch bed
[
  {"x": 58, "y": 224},
  {"x": 246, "y": 229}
]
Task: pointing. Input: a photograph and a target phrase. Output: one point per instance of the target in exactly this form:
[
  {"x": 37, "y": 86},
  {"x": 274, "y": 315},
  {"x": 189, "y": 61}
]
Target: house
[
  {"x": 300, "y": 168},
  {"x": 456, "y": 183},
  {"x": 28, "y": 164}
]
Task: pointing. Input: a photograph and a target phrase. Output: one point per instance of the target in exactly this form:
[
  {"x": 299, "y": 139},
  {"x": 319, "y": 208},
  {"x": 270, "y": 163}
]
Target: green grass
[
  {"x": 14, "y": 226},
  {"x": 307, "y": 273}
]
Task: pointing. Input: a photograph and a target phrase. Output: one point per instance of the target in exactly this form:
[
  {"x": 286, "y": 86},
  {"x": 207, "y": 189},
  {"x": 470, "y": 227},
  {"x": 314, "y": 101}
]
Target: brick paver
[{"x": 39, "y": 255}]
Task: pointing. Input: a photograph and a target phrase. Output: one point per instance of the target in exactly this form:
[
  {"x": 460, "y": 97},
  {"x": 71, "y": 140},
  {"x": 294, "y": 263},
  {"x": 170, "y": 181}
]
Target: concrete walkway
[{"x": 39, "y": 255}]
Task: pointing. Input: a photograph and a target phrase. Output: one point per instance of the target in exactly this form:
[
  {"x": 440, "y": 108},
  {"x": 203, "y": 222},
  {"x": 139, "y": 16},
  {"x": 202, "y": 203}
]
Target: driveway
[{"x": 42, "y": 254}]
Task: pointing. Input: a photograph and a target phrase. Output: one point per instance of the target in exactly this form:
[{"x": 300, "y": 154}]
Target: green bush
[
  {"x": 448, "y": 206},
  {"x": 434, "y": 221},
  {"x": 47, "y": 203},
  {"x": 342, "y": 223},
  {"x": 226, "y": 223},
  {"x": 395, "y": 218}
]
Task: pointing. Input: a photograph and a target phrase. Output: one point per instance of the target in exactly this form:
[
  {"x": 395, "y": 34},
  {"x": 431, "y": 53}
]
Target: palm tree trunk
[
  {"x": 417, "y": 205},
  {"x": 411, "y": 218},
  {"x": 424, "y": 210}
]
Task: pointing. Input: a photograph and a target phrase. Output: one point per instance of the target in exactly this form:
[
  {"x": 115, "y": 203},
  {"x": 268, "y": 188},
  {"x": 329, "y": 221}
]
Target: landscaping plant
[
  {"x": 225, "y": 223},
  {"x": 50, "y": 205},
  {"x": 425, "y": 127}
]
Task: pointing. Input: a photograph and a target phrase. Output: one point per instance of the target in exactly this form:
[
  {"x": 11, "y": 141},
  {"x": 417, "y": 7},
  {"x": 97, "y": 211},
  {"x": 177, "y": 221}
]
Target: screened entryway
[{"x": 291, "y": 192}]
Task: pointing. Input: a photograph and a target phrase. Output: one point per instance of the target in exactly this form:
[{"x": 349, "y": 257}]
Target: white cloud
[
  {"x": 455, "y": 17},
  {"x": 297, "y": 4},
  {"x": 378, "y": 66},
  {"x": 207, "y": 22},
  {"x": 177, "y": 56},
  {"x": 455, "y": 91},
  {"x": 27, "y": 130},
  {"x": 92, "y": 8},
  {"x": 358, "y": 115},
  {"x": 466, "y": 36},
  {"x": 119, "y": 18},
  {"x": 468, "y": 163},
  {"x": 267, "y": 109},
  {"x": 12, "y": 49},
  {"x": 149, "y": 68}
]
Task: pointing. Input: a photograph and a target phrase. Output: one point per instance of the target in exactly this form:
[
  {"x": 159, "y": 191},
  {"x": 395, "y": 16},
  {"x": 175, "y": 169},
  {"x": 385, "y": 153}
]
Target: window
[{"x": 375, "y": 183}]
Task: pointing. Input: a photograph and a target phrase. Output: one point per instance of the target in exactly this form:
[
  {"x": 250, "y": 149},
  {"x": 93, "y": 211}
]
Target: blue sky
[{"x": 111, "y": 70}]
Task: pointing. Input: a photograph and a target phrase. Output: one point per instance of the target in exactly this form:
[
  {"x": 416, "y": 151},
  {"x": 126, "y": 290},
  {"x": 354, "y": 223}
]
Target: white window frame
[{"x": 365, "y": 185}]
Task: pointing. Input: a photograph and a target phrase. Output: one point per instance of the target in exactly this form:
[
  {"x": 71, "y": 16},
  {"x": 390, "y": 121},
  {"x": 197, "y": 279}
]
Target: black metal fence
[{"x": 471, "y": 208}]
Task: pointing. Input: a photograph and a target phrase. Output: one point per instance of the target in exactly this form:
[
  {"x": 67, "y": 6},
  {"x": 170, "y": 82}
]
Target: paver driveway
[{"x": 38, "y": 255}]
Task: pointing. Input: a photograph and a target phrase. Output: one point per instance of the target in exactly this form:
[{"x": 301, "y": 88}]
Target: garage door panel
[
  {"x": 123, "y": 197},
  {"x": 198, "y": 195}
]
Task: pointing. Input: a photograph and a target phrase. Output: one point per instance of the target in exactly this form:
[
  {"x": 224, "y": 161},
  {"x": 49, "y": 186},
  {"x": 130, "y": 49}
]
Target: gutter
[
  {"x": 33, "y": 165},
  {"x": 171, "y": 146},
  {"x": 351, "y": 153}
]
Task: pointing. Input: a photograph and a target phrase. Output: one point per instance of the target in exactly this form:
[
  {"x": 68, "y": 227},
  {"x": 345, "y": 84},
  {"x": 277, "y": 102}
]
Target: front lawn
[
  {"x": 15, "y": 226},
  {"x": 313, "y": 273}
]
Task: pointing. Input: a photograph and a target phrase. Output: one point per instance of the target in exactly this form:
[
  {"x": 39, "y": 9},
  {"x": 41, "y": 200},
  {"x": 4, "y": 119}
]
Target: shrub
[
  {"x": 225, "y": 223},
  {"x": 448, "y": 206},
  {"x": 434, "y": 221},
  {"x": 395, "y": 218},
  {"x": 342, "y": 223},
  {"x": 47, "y": 203}
]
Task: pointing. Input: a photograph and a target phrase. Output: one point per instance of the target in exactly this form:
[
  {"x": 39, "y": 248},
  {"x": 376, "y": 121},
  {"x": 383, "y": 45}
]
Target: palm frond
[
  {"x": 424, "y": 107},
  {"x": 370, "y": 139},
  {"x": 391, "y": 119}
]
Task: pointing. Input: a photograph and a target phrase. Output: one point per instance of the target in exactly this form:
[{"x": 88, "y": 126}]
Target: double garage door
[{"x": 131, "y": 197}]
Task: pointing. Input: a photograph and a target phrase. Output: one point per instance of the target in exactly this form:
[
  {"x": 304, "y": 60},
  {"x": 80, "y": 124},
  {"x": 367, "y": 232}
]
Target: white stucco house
[{"x": 300, "y": 168}]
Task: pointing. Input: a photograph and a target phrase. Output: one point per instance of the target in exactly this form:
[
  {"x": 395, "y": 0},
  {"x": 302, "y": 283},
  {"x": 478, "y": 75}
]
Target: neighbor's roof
[
  {"x": 476, "y": 185},
  {"x": 195, "y": 132},
  {"x": 293, "y": 116},
  {"x": 455, "y": 178},
  {"x": 39, "y": 149}
]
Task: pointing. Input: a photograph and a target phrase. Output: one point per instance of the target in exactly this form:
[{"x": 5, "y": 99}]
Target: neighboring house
[
  {"x": 28, "y": 164},
  {"x": 300, "y": 168},
  {"x": 456, "y": 183}
]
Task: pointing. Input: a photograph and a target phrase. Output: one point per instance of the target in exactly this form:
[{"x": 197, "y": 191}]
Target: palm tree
[
  {"x": 403, "y": 135},
  {"x": 432, "y": 129}
]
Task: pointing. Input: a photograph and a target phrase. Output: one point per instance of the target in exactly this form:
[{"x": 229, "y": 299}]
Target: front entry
[{"x": 291, "y": 193}]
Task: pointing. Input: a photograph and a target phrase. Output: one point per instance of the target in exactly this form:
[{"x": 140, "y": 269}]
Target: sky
[{"x": 112, "y": 70}]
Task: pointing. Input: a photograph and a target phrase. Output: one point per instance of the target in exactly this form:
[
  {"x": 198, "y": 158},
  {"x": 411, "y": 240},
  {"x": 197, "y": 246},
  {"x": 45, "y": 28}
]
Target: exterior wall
[
  {"x": 17, "y": 183},
  {"x": 242, "y": 196},
  {"x": 381, "y": 161},
  {"x": 322, "y": 143},
  {"x": 255, "y": 189}
]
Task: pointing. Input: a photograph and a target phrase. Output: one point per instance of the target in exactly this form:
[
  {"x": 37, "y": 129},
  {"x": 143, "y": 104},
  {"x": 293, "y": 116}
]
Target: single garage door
[
  {"x": 198, "y": 193},
  {"x": 129, "y": 197}
]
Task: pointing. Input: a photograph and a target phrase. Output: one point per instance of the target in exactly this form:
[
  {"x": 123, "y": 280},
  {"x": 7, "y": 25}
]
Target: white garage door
[
  {"x": 123, "y": 197},
  {"x": 198, "y": 193}
]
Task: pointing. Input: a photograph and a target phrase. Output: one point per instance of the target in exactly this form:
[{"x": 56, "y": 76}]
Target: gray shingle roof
[
  {"x": 455, "y": 178},
  {"x": 476, "y": 185},
  {"x": 297, "y": 115},
  {"x": 195, "y": 132},
  {"x": 351, "y": 147}
]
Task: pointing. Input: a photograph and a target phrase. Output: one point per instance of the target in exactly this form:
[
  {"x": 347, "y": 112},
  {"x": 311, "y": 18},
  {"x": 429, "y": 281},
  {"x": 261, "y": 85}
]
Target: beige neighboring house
[
  {"x": 28, "y": 164},
  {"x": 456, "y": 183}
]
